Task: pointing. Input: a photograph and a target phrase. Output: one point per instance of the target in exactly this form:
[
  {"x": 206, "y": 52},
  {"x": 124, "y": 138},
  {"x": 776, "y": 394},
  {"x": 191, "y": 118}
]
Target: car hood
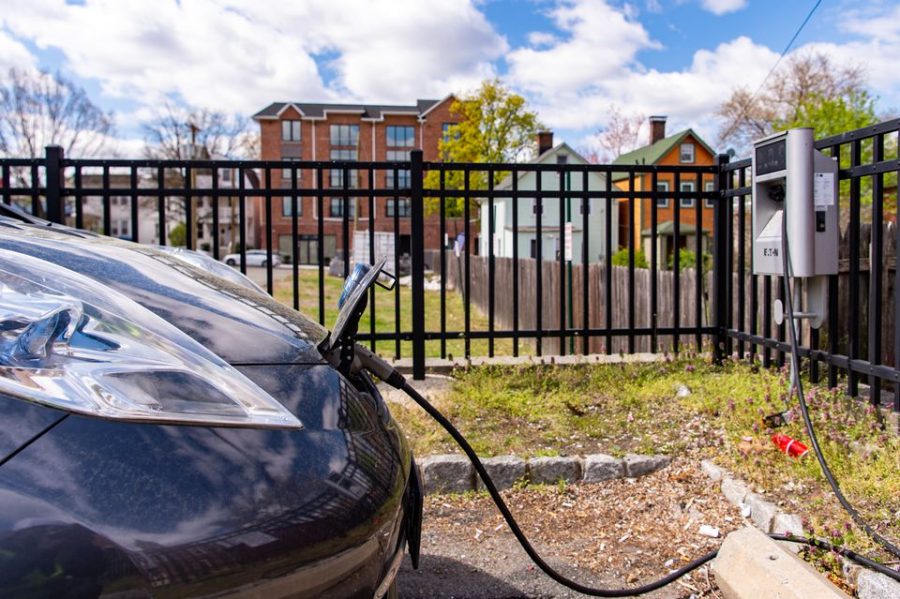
[{"x": 239, "y": 324}]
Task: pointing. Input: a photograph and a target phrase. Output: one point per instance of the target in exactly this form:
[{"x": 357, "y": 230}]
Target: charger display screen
[{"x": 771, "y": 158}]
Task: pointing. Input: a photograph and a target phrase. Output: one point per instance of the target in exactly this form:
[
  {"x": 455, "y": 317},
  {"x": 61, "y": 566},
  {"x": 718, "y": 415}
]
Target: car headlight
[{"x": 71, "y": 343}]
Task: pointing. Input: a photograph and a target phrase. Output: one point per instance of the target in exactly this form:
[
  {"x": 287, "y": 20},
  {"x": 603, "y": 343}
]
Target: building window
[
  {"x": 336, "y": 175},
  {"x": 336, "y": 208},
  {"x": 401, "y": 136},
  {"x": 662, "y": 186},
  {"x": 686, "y": 154},
  {"x": 290, "y": 130},
  {"x": 120, "y": 228},
  {"x": 687, "y": 186},
  {"x": 286, "y": 172},
  {"x": 402, "y": 206},
  {"x": 286, "y": 206},
  {"x": 403, "y": 175},
  {"x": 709, "y": 186},
  {"x": 344, "y": 135},
  {"x": 447, "y": 132}
]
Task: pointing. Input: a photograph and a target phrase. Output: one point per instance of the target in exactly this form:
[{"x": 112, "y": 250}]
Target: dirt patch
[{"x": 620, "y": 533}]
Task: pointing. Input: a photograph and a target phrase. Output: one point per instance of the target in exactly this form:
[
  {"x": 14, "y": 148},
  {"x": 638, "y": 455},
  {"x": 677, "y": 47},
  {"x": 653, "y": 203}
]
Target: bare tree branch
[
  {"x": 621, "y": 135},
  {"x": 803, "y": 75},
  {"x": 40, "y": 109}
]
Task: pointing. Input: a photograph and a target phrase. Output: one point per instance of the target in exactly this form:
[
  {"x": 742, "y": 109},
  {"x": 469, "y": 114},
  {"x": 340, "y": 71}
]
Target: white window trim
[
  {"x": 681, "y": 153},
  {"x": 690, "y": 187},
  {"x": 709, "y": 186},
  {"x": 662, "y": 202}
]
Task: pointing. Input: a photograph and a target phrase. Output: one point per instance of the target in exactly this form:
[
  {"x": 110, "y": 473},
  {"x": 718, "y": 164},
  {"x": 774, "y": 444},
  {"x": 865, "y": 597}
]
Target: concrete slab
[{"x": 751, "y": 565}]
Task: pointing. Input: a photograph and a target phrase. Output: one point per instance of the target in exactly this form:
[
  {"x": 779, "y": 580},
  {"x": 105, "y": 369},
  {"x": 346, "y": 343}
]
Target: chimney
[
  {"x": 657, "y": 128},
  {"x": 545, "y": 141}
]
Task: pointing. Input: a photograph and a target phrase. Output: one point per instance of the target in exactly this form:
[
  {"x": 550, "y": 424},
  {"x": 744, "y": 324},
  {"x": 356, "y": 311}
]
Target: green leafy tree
[
  {"x": 178, "y": 235},
  {"x": 495, "y": 126},
  {"x": 830, "y": 116}
]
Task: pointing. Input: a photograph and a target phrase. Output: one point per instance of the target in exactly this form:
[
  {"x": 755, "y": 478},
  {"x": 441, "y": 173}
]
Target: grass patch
[
  {"x": 386, "y": 316},
  {"x": 615, "y": 409}
]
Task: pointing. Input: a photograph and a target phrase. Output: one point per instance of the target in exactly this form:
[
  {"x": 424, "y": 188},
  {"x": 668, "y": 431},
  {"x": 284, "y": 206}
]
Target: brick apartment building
[{"x": 323, "y": 132}]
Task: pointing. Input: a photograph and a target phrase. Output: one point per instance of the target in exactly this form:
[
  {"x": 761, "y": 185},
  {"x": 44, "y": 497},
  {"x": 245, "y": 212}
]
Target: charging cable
[
  {"x": 797, "y": 384},
  {"x": 387, "y": 373}
]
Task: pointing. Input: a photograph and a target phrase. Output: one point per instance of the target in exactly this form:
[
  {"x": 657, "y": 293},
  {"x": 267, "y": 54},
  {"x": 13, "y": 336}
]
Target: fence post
[
  {"x": 720, "y": 259},
  {"x": 56, "y": 204},
  {"x": 417, "y": 263}
]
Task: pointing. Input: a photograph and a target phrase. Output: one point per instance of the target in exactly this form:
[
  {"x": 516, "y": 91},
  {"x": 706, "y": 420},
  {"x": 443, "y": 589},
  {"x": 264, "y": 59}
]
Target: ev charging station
[{"x": 795, "y": 194}]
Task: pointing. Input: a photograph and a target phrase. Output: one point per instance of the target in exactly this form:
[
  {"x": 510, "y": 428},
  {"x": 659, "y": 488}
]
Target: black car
[{"x": 167, "y": 432}]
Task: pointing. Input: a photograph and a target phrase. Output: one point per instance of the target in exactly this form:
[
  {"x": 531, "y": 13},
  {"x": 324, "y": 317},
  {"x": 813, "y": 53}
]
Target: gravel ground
[{"x": 621, "y": 533}]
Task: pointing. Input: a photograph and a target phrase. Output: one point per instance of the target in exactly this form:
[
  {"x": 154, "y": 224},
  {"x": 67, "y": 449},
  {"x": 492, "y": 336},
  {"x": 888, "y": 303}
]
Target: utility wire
[{"x": 784, "y": 52}]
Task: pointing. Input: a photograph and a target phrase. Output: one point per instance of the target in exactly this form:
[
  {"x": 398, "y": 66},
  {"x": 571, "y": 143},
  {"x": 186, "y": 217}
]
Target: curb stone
[
  {"x": 447, "y": 474},
  {"x": 766, "y": 516},
  {"x": 600, "y": 467},
  {"x": 640, "y": 465},
  {"x": 453, "y": 473},
  {"x": 872, "y": 585},
  {"x": 503, "y": 470},
  {"x": 734, "y": 490},
  {"x": 762, "y": 512},
  {"x": 551, "y": 470}
]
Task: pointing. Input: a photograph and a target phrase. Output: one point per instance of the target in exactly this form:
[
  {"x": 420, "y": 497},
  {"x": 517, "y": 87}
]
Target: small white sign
[
  {"x": 823, "y": 189},
  {"x": 568, "y": 245}
]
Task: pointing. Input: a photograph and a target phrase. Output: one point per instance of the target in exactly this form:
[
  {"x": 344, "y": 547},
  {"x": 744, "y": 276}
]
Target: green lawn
[{"x": 385, "y": 316}]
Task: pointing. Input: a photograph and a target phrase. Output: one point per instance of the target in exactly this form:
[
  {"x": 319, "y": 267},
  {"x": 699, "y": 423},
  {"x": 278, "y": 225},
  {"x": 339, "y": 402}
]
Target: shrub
[{"x": 620, "y": 258}]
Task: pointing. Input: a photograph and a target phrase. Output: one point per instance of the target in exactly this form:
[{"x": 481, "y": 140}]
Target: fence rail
[{"x": 522, "y": 254}]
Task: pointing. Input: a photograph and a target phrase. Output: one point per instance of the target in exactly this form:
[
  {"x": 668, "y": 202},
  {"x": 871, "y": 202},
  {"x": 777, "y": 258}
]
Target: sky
[{"x": 573, "y": 60}]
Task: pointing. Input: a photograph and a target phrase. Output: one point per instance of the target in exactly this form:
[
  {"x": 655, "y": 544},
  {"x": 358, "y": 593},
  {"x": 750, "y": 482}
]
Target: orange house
[{"x": 683, "y": 148}]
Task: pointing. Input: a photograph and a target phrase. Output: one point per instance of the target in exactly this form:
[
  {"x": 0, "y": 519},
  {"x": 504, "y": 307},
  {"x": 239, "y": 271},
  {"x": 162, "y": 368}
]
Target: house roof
[
  {"x": 562, "y": 146},
  {"x": 368, "y": 111},
  {"x": 653, "y": 153}
]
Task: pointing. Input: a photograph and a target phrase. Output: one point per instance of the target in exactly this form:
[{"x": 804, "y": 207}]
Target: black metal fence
[
  {"x": 544, "y": 258},
  {"x": 863, "y": 310}
]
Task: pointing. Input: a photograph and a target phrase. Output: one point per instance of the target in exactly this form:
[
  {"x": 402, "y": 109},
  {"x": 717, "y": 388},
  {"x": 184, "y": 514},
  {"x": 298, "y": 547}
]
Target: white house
[
  {"x": 148, "y": 211},
  {"x": 551, "y": 244}
]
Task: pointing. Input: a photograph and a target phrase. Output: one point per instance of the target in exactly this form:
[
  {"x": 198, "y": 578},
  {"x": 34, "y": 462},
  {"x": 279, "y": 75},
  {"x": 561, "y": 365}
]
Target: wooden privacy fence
[
  {"x": 756, "y": 318},
  {"x": 597, "y": 308}
]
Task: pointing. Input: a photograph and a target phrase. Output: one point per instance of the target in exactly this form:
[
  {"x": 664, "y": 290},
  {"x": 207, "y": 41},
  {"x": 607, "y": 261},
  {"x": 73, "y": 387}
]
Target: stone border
[
  {"x": 767, "y": 517},
  {"x": 453, "y": 473}
]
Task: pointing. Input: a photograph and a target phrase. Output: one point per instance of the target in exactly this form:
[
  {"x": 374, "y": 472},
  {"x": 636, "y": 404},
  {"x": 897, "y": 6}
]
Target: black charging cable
[
  {"x": 367, "y": 359},
  {"x": 797, "y": 384},
  {"x": 398, "y": 381}
]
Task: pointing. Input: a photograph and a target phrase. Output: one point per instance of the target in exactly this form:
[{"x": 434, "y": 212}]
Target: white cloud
[
  {"x": 600, "y": 41},
  {"x": 13, "y": 54},
  {"x": 239, "y": 55},
  {"x": 721, "y": 7}
]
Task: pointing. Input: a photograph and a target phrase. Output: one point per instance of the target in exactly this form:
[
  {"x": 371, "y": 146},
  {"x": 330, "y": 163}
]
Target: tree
[
  {"x": 178, "y": 235},
  {"x": 621, "y": 135},
  {"x": 38, "y": 109},
  {"x": 807, "y": 84},
  {"x": 830, "y": 116},
  {"x": 495, "y": 127},
  {"x": 176, "y": 133}
]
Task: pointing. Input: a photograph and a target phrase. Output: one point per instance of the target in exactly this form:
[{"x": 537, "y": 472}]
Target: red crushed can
[{"x": 789, "y": 445}]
